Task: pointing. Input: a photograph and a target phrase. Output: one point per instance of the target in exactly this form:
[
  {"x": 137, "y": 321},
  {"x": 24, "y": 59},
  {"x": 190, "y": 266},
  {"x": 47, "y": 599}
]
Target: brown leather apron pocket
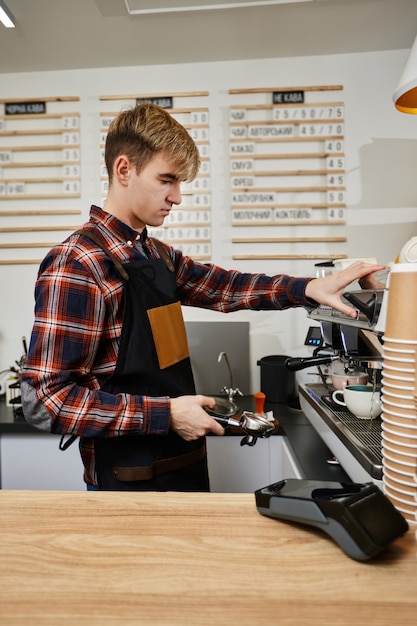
[{"x": 169, "y": 335}]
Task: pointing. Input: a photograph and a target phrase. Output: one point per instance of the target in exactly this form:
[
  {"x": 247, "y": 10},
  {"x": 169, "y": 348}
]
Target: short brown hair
[{"x": 141, "y": 132}]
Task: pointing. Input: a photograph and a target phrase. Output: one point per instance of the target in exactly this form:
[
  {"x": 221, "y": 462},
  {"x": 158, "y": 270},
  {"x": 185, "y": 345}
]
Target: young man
[{"x": 108, "y": 359}]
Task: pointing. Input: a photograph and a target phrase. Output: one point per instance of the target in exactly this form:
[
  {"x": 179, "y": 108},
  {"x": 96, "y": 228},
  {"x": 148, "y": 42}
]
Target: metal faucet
[{"x": 230, "y": 391}]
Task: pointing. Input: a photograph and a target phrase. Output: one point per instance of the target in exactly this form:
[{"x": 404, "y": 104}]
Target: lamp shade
[{"x": 405, "y": 96}]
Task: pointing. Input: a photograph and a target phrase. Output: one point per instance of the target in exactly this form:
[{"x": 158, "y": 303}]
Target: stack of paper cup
[{"x": 399, "y": 392}]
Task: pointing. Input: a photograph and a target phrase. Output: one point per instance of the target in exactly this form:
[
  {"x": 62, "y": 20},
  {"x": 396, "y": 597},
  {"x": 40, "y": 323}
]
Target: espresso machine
[{"x": 352, "y": 346}]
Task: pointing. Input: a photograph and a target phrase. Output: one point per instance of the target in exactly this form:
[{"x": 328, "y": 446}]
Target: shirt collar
[{"x": 118, "y": 228}]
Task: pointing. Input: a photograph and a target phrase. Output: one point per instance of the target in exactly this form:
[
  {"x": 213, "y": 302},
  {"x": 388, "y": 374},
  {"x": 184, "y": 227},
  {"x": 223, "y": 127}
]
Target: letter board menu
[
  {"x": 40, "y": 159},
  {"x": 287, "y": 170}
]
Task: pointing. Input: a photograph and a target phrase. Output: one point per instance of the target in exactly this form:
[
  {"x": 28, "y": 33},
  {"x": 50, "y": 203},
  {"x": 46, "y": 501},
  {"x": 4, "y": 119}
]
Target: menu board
[
  {"x": 287, "y": 165},
  {"x": 188, "y": 228},
  {"x": 40, "y": 159}
]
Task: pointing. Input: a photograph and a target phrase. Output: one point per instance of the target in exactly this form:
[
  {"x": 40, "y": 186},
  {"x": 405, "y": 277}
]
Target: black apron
[{"x": 152, "y": 360}]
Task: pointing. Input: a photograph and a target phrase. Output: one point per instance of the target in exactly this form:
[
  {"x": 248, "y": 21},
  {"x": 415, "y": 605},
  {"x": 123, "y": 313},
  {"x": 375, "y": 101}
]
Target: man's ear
[{"x": 122, "y": 169}]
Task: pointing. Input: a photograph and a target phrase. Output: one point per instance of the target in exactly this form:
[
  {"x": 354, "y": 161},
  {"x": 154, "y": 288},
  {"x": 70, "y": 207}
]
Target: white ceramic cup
[
  {"x": 341, "y": 379},
  {"x": 361, "y": 400}
]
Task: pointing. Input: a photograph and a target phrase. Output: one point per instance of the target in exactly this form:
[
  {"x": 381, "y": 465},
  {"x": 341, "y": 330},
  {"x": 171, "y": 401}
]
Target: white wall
[{"x": 381, "y": 153}]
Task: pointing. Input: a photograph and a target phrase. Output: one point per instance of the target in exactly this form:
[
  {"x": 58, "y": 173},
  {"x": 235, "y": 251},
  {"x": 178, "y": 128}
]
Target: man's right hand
[{"x": 190, "y": 420}]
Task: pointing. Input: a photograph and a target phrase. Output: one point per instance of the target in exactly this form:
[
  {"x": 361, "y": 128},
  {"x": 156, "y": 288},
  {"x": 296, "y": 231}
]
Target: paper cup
[
  {"x": 407, "y": 436},
  {"x": 395, "y": 366},
  {"x": 407, "y": 423},
  {"x": 389, "y": 471},
  {"x": 406, "y": 480},
  {"x": 392, "y": 402},
  {"x": 403, "y": 418},
  {"x": 402, "y": 296},
  {"x": 394, "y": 393},
  {"x": 400, "y": 466},
  {"x": 388, "y": 358},
  {"x": 406, "y": 508},
  {"x": 391, "y": 406},
  {"x": 403, "y": 487},
  {"x": 399, "y": 453},
  {"x": 403, "y": 410},
  {"x": 401, "y": 348},
  {"x": 395, "y": 374},
  {"x": 397, "y": 446},
  {"x": 404, "y": 494},
  {"x": 391, "y": 383},
  {"x": 403, "y": 342}
]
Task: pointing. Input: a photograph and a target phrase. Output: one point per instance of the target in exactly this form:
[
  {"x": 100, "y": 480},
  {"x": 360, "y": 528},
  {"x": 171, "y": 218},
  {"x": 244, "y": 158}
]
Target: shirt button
[{"x": 129, "y": 243}]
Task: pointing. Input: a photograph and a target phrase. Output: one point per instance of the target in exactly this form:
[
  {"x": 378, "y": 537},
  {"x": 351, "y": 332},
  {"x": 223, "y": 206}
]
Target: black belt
[{"x": 129, "y": 474}]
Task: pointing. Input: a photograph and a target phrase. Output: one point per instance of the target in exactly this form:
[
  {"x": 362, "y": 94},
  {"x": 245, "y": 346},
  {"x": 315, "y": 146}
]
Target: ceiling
[{"x": 74, "y": 34}]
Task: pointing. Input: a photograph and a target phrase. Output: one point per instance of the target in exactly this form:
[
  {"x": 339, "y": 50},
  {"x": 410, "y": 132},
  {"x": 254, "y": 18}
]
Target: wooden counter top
[{"x": 86, "y": 558}]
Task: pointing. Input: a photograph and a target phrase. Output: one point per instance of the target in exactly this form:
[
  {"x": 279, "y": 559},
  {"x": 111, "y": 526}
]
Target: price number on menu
[
  {"x": 203, "y": 151},
  {"x": 321, "y": 130},
  {"x": 15, "y": 189},
  {"x": 72, "y": 154},
  {"x": 336, "y": 180},
  {"x": 308, "y": 113},
  {"x": 71, "y": 139},
  {"x": 335, "y": 163},
  {"x": 70, "y": 171},
  {"x": 201, "y": 200},
  {"x": 336, "y": 214},
  {"x": 204, "y": 167},
  {"x": 199, "y": 134},
  {"x": 184, "y": 233},
  {"x": 70, "y": 122},
  {"x": 188, "y": 217},
  {"x": 199, "y": 117},
  {"x": 336, "y": 197},
  {"x": 334, "y": 145},
  {"x": 71, "y": 186},
  {"x": 196, "y": 250},
  {"x": 5, "y": 157},
  {"x": 200, "y": 184}
]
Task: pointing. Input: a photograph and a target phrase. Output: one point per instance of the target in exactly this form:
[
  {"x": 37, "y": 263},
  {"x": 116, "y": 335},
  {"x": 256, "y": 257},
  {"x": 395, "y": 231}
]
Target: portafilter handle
[{"x": 295, "y": 364}]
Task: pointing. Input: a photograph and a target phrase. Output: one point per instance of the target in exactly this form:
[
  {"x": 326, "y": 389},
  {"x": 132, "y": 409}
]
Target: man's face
[{"x": 151, "y": 193}]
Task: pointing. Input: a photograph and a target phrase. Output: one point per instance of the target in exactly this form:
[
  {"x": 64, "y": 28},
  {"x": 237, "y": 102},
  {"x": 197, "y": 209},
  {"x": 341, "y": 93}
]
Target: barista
[{"x": 108, "y": 359}]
